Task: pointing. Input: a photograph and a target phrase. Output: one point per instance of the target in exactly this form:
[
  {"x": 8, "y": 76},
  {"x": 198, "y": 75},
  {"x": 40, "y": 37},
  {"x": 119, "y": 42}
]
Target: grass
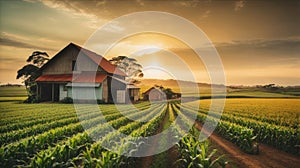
[
  {"x": 13, "y": 91},
  {"x": 10, "y": 98}
]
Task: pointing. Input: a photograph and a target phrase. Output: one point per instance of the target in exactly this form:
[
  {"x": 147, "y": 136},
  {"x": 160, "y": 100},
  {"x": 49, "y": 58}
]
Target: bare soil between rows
[
  {"x": 145, "y": 162},
  {"x": 267, "y": 157}
]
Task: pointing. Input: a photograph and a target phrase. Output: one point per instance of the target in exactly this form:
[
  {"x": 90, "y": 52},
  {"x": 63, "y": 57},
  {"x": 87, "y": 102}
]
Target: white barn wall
[
  {"x": 85, "y": 93},
  {"x": 62, "y": 92}
]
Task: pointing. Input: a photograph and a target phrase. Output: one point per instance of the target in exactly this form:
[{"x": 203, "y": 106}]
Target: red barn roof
[
  {"x": 85, "y": 77},
  {"x": 89, "y": 77},
  {"x": 55, "y": 78}
]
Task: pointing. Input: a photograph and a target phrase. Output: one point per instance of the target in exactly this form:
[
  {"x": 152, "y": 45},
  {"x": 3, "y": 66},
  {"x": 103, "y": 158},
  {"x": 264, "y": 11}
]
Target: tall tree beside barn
[
  {"x": 130, "y": 66},
  {"x": 31, "y": 71}
]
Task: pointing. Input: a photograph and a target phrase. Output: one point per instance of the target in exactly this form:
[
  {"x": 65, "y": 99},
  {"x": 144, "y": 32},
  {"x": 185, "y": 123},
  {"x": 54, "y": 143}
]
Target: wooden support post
[
  {"x": 52, "y": 92},
  {"x": 37, "y": 91},
  {"x": 40, "y": 92}
]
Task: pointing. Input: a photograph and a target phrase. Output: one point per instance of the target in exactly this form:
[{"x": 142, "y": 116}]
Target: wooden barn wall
[
  {"x": 85, "y": 64},
  {"x": 105, "y": 91},
  {"x": 62, "y": 64},
  {"x": 113, "y": 86}
]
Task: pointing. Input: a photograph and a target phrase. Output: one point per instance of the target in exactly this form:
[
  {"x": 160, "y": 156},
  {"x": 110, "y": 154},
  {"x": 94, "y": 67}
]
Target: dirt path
[
  {"x": 145, "y": 162},
  {"x": 267, "y": 157},
  {"x": 172, "y": 153}
]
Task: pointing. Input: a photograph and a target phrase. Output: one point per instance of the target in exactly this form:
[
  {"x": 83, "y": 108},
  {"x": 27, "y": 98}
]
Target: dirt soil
[
  {"x": 267, "y": 157},
  {"x": 145, "y": 162}
]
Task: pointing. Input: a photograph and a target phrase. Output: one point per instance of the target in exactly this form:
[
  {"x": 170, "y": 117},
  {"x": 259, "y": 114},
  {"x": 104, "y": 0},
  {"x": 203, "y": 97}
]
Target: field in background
[
  {"x": 12, "y": 93},
  {"x": 232, "y": 92},
  {"x": 30, "y": 134}
]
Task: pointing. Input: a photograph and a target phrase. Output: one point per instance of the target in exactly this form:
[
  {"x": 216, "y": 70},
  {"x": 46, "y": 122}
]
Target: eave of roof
[
  {"x": 55, "y": 78},
  {"x": 89, "y": 77},
  {"x": 84, "y": 77},
  {"x": 149, "y": 90}
]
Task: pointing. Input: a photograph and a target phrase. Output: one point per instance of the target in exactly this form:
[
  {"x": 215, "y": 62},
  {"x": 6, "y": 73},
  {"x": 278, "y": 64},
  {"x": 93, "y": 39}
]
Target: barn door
[{"x": 120, "y": 96}]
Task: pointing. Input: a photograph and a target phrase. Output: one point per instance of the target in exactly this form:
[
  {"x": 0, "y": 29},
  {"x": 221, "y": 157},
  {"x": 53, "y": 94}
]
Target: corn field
[{"x": 54, "y": 135}]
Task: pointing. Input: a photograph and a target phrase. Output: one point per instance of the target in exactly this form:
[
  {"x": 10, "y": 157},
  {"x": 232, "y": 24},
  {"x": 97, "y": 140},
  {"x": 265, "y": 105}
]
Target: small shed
[
  {"x": 159, "y": 93},
  {"x": 154, "y": 94}
]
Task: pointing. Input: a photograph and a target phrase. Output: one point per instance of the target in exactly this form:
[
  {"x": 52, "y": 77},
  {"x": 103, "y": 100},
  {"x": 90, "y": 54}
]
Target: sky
[{"x": 258, "y": 41}]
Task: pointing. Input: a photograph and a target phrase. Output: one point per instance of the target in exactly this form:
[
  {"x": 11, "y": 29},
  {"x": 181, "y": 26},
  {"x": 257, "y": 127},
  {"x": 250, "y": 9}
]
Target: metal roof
[
  {"x": 83, "y": 85},
  {"x": 84, "y": 77},
  {"x": 89, "y": 77},
  {"x": 55, "y": 78}
]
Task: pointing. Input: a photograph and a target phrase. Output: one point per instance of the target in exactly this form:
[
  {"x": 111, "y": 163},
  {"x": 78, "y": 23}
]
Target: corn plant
[{"x": 194, "y": 154}]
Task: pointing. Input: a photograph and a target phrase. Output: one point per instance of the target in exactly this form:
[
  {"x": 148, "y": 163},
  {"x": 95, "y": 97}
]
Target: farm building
[
  {"x": 157, "y": 93},
  {"x": 154, "y": 94},
  {"x": 83, "y": 75}
]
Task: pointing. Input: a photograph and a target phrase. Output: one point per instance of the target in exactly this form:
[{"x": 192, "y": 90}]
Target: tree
[
  {"x": 168, "y": 91},
  {"x": 132, "y": 69},
  {"x": 30, "y": 72}
]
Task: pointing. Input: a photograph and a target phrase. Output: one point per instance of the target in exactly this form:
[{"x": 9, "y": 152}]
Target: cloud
[
  {"x": 252, "y": 54},
  {"x": 190, "y": 3},
  {"x": 114, "y": 8},
  {"x": 260, "y": 54},
  {"x": 113, "y": 27},
  {"x": 16, "y": 41},
  {"x": 238, "y": 5},
  {"x": 147, "y": 50},
  {"x": 140, "y": 2},
  {"x": 206, "y": 14},
  {"x": 263, "y": 44},
  {"x": 78, "y": 9}
]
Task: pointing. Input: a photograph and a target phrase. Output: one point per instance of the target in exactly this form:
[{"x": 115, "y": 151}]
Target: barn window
[{"x": 74, "y": 65}]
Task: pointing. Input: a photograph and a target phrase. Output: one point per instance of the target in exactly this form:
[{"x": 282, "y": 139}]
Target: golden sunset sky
[{"x": 258, "y": 41}]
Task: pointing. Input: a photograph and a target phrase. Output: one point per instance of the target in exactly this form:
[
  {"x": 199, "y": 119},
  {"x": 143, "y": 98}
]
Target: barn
[
  {"x": 83, "y": 75},
  {"x": 154, "y": 94},
  {"x": 159, "y": 93}
]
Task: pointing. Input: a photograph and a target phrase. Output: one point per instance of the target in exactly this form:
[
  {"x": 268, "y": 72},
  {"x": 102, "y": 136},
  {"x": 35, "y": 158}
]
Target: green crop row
[
  {"x": 281, "y": 112},
  {"x": 193, "y": 152},
  {"x": 281, "y": 137},
  {"x": 239, "y": 135},
  {"x": 23, "y": 150},
  {"x": 67, "y": 152}
]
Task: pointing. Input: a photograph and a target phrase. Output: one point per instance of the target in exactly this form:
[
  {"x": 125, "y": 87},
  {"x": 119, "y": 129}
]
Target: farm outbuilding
[
  {"x": 83, "y": 75},
  {"x": 160, "y": 93},
  {"x": 154, "y": 94}
]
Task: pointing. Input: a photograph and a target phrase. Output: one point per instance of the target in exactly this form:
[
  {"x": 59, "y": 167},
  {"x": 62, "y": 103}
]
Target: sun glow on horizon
[{"x": 156, "y": 72}]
